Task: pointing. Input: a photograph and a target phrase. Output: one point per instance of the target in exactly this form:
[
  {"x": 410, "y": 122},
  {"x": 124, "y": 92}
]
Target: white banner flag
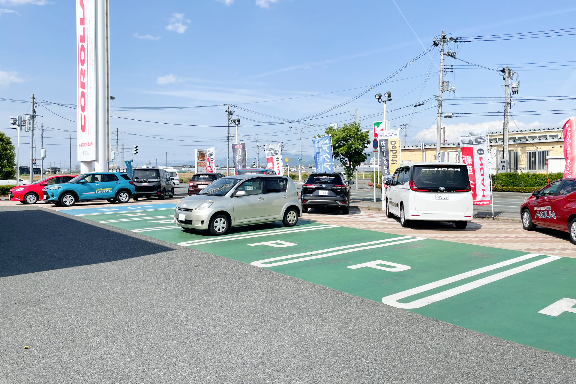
[{"x": 474, "y": 149}]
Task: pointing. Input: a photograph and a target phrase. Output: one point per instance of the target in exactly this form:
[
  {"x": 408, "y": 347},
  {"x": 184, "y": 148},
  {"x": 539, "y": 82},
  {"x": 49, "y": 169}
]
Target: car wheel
[
  {"x": 572, "y": 230},
  {"x": 403, "y": 221},
  {"x": 30, "y": 198},
  {"x": 304, "y": 209},
  {"x": 219, "y": 224},
  {"x": 290, "y": 217},
  {"x": 67, "y": 200},
  {"x": 388, "y": 214},
  {"x": 527, "y": 223},
  {"x": 123, "y": 197},
  {"x": 461, "y": 224},
  {"x": 163, "y": 195}
]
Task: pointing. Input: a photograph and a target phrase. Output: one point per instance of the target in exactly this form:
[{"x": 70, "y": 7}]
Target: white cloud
[
  {"x": 265, "y": 3},
  {"x": 168, "y": 79},
  {"x": 23, "y": 2},
  {"x": 146, "y": 37},
  {"x": 6, "y": 78},
  {"x": 176, "y": 23},
  {"x": 227, "y": 2},
  {"x": 429, "y": 135},
  {"x": 8, "y": 11}
]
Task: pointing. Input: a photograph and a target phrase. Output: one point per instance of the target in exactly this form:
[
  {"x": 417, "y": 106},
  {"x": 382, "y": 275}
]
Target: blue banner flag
[
  {"x": 323, "y": 154},
  {"x": 129, "y": 168}
]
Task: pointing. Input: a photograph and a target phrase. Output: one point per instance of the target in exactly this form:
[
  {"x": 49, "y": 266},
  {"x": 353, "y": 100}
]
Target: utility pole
[
  {"x": 228, "y": 140},
  {"x": 42, "y": 151},
  {"x": 123, "y": 164},
  {"x": 442, "y": 85},
  {"x": 70, "y": 137},
  {"x": 32, "y": 116},
  {"x": 405, "y": 127},
  {"x": 508, "y": 74},
  {"x": 356, "y": 115},
  {"x": 166, "y": 159},
  {"x": 257, "y": 153},
  {"x": 116, "y": 156}
]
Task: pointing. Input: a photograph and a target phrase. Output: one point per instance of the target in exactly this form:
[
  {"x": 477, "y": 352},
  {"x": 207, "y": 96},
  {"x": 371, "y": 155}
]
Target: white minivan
[{"x": 430, "y": 191}]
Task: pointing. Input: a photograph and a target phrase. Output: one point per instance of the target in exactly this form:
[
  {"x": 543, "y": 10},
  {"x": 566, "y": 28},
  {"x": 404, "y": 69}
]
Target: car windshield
[
  {"x": 324, "y": 179},
  {"x": 220, "y": 187},
  {"x": 203, "y": 178},
  {"x": 78, "y": 178},
  {"x": 450, "y": 177},
  {"x": 146, "y": 174}
]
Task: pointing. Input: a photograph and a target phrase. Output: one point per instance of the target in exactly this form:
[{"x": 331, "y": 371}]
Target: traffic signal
[
  {"x": 135, "y": 149},
  {"x": 253, "y": 164}
]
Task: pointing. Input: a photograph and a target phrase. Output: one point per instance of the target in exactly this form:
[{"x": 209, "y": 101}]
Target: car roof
[
  {"x": 433, "y": 163},
  {"x": 251, "y": 176}
]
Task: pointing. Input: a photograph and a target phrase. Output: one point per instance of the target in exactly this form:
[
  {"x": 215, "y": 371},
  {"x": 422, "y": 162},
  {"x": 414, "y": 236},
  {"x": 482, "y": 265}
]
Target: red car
[
  {"x": 200, "y": 181},
  {"x": 553, "y": 206},
  {"x": 30, "y": 194}
]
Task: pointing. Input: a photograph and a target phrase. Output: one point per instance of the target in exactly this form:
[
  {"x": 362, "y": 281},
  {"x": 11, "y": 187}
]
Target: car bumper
[
  {"x": 15, "y": 197},
  {"x": 192, "y": 219},
  {"x": 324, "y": 201},
  {"x": 439, "y": 216}
]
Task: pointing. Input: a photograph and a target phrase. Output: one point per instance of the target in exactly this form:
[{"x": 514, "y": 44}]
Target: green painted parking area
[{"x": 528, "y": 298}]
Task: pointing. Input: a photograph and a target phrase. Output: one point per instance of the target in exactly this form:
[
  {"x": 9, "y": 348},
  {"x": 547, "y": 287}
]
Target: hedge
[
  {"x": 5, "y": 189},
  {"x": 522, "y": 182}
]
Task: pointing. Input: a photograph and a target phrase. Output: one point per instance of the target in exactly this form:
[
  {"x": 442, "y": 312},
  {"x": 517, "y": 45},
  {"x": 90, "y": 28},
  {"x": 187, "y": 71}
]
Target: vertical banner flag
[
  {"x": 129, "y": 171},
  {"x": 389, "y": 144},
  {"x": 474, "y": 148},
  {"x": 210, "y": 159},
  {"x": 323, "y": 158},
  {"x": 86, "y": 80},
  {"x": 239, "y": 154},
  {"x": 569, "y": 133},
  {"x": 200, "y": 156},
  {"x": 274, "y": 158}
]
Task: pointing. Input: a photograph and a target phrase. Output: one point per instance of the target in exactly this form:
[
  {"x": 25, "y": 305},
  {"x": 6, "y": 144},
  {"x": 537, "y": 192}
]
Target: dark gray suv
[{"x": 152, "y": 182}]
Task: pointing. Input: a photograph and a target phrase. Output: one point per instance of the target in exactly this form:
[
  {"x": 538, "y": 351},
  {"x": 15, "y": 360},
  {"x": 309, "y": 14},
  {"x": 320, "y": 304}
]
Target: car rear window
[
  {"x": 125, "y": 176},
  {"x": 203, "y": 178},
  {"x": 146, "y": 174},
  {"x": 432, "y": 177},
  {"x": 324, "y": 179}
]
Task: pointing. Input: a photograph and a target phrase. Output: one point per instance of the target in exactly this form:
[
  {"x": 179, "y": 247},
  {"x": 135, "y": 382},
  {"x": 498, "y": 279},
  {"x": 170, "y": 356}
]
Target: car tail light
[
  {"x": 339, "y": 186},
  {"x": 413, "y": 187},
  {"x": 468, "y": 189},
  {"x": 307, "y": 185},
  {"x": 131, "y": 182}
]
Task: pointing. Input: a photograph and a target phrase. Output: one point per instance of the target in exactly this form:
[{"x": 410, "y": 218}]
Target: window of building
[{"x": 536, "y": 160}]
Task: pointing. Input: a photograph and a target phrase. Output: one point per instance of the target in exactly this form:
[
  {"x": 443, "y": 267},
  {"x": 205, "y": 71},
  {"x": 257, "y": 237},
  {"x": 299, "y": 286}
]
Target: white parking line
[
  {"x": 258, "y": 234},
  {"x": 334, "y": 251}
]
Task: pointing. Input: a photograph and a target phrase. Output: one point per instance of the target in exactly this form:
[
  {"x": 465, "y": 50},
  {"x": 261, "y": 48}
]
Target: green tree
[
  {"x": 7, "y": 164},
  {"x": 348, "y": 145}
]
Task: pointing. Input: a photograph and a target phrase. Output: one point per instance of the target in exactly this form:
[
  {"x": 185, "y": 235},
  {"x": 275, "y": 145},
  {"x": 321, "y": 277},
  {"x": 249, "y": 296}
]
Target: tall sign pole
[
  {"x": 32, "y": 116},
  {"x": 508, "y": 73},
  {"x": 93, "y": 99}
]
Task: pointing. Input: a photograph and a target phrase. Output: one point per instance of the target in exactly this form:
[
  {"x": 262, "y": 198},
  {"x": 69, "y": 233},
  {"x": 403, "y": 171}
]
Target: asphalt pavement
[{"x": 85, "y": 302}]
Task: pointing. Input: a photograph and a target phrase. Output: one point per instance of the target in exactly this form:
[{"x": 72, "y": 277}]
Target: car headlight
[
  {"x": 55, "y": 187},
  {"x": 204, "y": 205},
  {"x": 18, "y": 189}
]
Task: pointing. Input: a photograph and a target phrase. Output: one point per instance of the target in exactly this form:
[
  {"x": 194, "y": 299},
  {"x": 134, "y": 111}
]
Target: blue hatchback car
[{"x": 111, "y": 186}]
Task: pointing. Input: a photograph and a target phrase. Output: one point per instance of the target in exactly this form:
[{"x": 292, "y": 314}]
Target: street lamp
[
  {"x": 387, "y": 98},
  {"x": 300, "y": 161}
]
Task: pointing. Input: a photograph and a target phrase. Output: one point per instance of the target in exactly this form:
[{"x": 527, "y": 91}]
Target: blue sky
[{"x": 284, "y": 61}]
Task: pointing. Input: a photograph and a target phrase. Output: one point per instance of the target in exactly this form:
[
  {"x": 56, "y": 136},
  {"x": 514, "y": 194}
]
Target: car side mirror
[
  {"x": 43, "y": 184},
  {"x": 240, "y": 193}
]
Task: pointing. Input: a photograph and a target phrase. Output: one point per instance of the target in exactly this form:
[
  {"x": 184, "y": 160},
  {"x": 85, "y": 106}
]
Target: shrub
[
  {"x": 5, "y": 189},
  {"x": 522, "y": 182}
]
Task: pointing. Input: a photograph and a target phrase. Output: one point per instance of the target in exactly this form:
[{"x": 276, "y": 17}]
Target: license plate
[
  {"x": 323, "y": 193},
  {"x": 181, "y": 217},
  {"x": 441, "y": 197},
  {"x": 201, "y": 186}
]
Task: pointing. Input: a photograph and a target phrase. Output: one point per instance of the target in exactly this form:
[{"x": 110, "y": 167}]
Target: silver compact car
[{"x": 240, "y": 200}]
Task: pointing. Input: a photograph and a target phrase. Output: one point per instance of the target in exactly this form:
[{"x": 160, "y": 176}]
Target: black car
[
  {"x": 152, "y": 182},
  {"x": 326, "y": 190}
]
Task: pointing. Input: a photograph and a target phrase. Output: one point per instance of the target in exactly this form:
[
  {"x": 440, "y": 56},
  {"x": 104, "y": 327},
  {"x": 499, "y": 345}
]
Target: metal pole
[
  {"x": 116, "y": 157},
  {"x": 374, "y": 173},
  {"x": 382, "y": 185},
  {"x": 507, "y": 75},
  {"x": 300, "y": 162},
  {"x": 32, "y": 115},
  {"x": 440, "y": 89},
  {"x": 228, "y": 141},
  {"x": 166, "y": 159},
  {"x": 257, "y": 153},
  {"x": 41, "y": 150},
  {"x": 18, "y": 157},
  {"x": 70, "y": 137}
]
